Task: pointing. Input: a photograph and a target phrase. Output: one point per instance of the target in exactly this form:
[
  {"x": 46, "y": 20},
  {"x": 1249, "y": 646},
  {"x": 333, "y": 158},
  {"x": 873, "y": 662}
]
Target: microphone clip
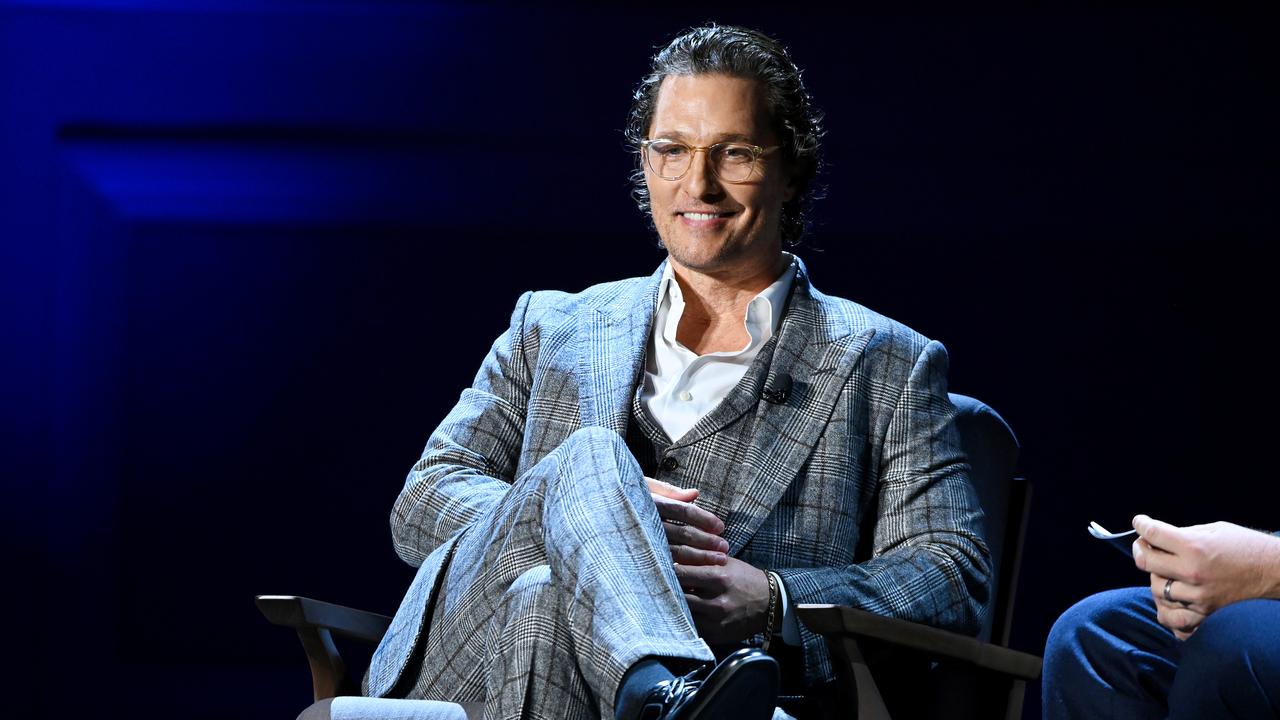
[{"x": 780, "y": 391}]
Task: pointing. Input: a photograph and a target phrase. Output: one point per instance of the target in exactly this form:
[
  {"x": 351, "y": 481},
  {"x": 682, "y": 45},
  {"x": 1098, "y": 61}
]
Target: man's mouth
[{"x": 704, "y": 215}]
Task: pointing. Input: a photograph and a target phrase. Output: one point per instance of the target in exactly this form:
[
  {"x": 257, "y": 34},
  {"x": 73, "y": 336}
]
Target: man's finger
[
  {"x": 700, "y": 608},
  {"x": 703, "y": 607},
  {"x": 1156, "y": 561},
  {"x": 1182, "y": 596},
  {"x": 703, "y": 581},
  {"x": 685, "y": 555},
  {"x": 1159, "y": 534},
  {"x": 695, "y": 538},
  {"x": 1182, "y": 620},
  {"x": 1158, "y": 584},
  {"x": 667, "y": 490},
  {"x": 1170, "y": 612},
  {"x": 689, "y": 514}
]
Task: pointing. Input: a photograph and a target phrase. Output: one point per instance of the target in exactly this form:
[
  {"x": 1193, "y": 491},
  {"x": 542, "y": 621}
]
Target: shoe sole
[{"x": 740, "y": 688}]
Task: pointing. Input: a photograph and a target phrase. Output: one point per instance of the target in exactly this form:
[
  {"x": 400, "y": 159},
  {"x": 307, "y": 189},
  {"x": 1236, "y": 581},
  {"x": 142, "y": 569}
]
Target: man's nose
[{"x": 701, "y": 180}]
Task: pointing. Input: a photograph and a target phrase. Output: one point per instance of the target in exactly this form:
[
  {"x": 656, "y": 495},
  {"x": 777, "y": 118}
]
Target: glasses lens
[
  {"x": 733, "y": 161},
  {"x": 668, "y": 159}
]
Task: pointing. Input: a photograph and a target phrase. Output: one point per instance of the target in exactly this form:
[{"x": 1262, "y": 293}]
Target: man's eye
[
  {"x": 737, "y": 153},
  {"x": 671, "y": 150}
]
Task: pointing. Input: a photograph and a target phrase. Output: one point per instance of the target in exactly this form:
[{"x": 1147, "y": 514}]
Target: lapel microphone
[{"x": 780, "y": 391}]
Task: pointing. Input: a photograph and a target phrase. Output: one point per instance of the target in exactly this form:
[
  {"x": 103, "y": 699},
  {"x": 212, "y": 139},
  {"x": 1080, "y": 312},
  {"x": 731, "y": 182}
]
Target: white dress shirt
[{"x": 680, "y": 386}]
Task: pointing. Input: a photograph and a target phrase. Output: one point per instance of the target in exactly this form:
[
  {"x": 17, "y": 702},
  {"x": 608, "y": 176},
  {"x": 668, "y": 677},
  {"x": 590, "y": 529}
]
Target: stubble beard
[{"x": 723, "y": 252}]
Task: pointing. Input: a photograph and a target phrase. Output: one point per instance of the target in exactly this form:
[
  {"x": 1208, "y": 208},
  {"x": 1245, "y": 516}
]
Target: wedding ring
[{"x": 1169, "y": 598}]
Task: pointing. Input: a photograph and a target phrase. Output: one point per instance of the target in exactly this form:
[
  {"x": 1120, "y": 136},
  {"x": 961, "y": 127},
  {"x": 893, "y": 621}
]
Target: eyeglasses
[{"x": 732, "y": 162}]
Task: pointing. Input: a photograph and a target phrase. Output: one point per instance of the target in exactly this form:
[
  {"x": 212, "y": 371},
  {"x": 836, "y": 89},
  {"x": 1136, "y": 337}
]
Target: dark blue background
[{"x": 253, "y": 250}]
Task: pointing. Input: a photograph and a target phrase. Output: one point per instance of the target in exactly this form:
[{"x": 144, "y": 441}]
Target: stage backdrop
[{"x": 253, "y": 251}]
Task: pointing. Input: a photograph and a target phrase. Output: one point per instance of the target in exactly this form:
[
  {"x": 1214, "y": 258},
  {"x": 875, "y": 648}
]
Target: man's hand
[
  {"x": 728, "y": 598},
  {"x": 1176, "y": 616},
  {"x": 1211, "y": 566},
  {"x": 728, "y": 603},
  {"x": 694, "y": 533}
]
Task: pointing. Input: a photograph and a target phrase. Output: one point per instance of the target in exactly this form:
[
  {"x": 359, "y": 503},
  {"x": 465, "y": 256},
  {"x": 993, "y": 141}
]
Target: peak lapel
[
  {"x": 785, "y": 432},
  {"x": 611, "y": 350}
]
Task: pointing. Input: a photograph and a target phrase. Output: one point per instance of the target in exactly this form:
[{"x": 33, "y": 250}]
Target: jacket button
[{"x": 669, "y": 463}]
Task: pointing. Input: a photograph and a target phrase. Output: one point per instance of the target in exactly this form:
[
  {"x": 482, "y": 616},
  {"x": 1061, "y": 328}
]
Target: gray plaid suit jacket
[{"x": 855, "y": 490}]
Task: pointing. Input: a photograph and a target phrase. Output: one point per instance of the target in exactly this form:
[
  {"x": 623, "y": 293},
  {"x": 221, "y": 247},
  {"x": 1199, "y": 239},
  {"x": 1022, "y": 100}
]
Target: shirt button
[
  {"x": 686, "y": 396},
  {"x": 669, "y": 463}
]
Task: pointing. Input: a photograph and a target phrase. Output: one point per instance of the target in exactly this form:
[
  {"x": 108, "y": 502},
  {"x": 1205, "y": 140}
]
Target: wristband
[{"x": 772, "y": 614}]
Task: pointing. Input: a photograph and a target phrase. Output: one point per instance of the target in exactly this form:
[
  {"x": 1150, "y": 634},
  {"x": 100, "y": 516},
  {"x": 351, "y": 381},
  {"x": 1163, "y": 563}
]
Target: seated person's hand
[
  {"x": 727, "y": 597},
  {"x": 1198, "y": 569},
  {"x": 729, "y": 603},
  {"x": 694, "y": 533},
  {"x": 1173, "y": 614}
]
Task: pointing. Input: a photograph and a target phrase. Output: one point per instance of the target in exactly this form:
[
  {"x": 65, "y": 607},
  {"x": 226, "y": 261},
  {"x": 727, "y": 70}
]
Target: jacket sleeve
[
  {"x": 471, "y": 458},
  {"x": 929, "y": 562}
]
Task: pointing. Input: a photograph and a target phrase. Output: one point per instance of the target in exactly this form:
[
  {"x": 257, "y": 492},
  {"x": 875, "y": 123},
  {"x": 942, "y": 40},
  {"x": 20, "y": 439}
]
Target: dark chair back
[{"x": 993, "y": 454}]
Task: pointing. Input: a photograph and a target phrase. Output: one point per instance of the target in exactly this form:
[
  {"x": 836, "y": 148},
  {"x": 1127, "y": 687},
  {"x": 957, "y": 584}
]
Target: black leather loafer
[{"x": 743, "y": 686}]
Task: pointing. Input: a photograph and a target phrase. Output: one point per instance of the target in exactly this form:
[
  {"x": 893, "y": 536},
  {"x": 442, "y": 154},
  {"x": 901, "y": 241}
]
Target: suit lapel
[
  {"x": 808, "y": 349},
  {"x": 611, "y": 348},
  {"x": 782, "y": 434}
]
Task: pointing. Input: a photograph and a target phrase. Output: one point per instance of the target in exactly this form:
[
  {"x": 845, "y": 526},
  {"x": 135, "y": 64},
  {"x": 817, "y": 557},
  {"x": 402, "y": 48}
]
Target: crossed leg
[{"x": 558, "y": 590}]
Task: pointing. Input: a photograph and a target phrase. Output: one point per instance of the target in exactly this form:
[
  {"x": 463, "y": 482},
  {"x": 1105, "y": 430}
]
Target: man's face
[{"x": 701, "y": 110}]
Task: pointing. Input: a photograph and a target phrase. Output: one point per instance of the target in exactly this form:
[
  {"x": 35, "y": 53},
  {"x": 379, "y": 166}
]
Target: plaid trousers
[{"x": 552, "y": 595}]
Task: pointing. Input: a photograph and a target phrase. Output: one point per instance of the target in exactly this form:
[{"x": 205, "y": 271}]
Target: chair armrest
[
  {"x": 839, "y": 620},
  {"x": 299, "y": 612},
  {"x": 989, "y": 678},
  {"x": 315, "y": 621}
]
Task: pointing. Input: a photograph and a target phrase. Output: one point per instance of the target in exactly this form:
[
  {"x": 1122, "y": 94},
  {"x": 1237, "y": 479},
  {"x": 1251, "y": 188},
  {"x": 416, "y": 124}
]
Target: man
[
  {"x": 1207, "y": 647},
  {"x": 654, "y": 466}
]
